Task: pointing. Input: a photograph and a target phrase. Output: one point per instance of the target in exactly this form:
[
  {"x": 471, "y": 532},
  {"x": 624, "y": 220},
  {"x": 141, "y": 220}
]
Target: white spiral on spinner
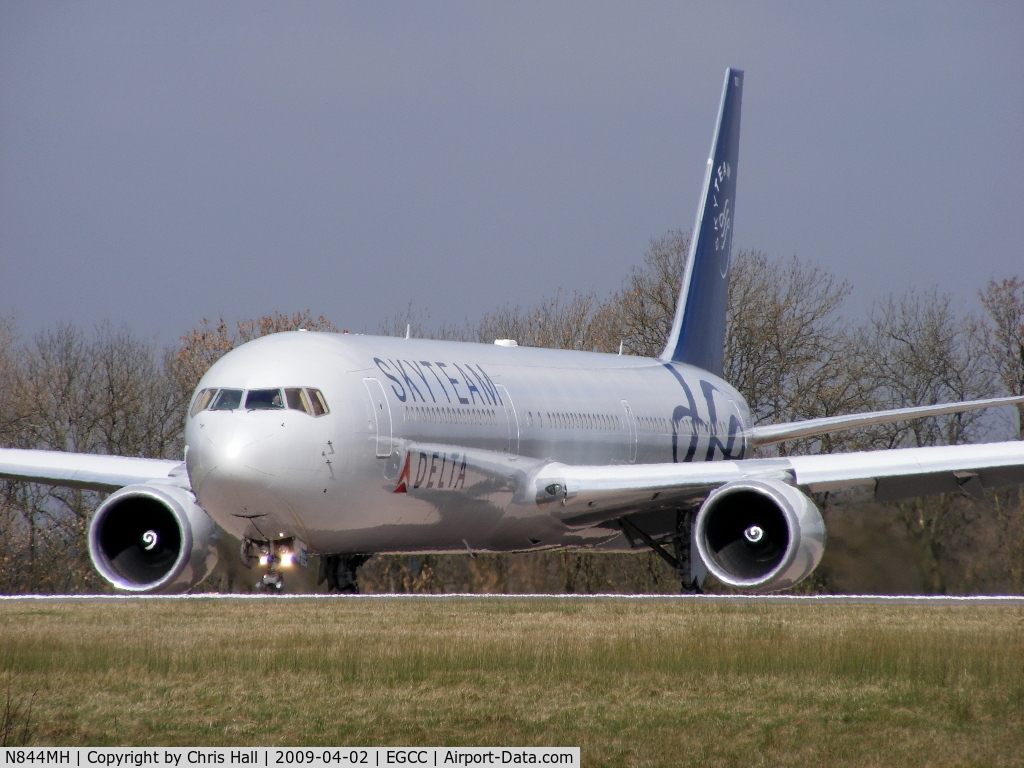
[{"x": 149, "y": 538}]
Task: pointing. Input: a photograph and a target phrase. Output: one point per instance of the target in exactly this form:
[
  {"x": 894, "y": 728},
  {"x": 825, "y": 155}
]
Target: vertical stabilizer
[{"x": 698, "y": 331}]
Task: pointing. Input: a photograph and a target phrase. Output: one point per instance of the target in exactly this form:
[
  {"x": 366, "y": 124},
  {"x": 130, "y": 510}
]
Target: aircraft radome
[{"x": 345, "y": 445}]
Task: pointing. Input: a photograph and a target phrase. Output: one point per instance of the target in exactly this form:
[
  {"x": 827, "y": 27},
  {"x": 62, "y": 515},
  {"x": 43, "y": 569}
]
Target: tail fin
[{"x": 698, "y": 331}]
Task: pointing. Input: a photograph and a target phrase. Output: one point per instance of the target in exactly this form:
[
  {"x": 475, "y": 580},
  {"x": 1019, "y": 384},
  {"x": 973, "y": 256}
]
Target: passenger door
[{"x": 380, "y": 416}]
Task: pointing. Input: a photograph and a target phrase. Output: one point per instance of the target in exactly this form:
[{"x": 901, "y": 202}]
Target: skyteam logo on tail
[
  {"x": 723, "y": 221},
  {"x": 698, "y": 330}
]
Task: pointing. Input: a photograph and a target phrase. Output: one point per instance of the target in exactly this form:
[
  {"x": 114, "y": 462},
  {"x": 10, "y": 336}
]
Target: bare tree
[
  {"x": 13, "y": 412},
  {"x": 787, "y": 349},
  {"x": 577, "y": 323},
  {"x": 136, "y": 409},
  {"x": 917, "y": 350},
  {"x": 1004, "y": 337},
  {"x": 56, "y": 376},
  {"x": 644, "y": 308}
]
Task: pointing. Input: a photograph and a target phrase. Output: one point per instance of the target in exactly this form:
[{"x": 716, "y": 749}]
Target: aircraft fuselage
[{"x": 429, "y": 445}]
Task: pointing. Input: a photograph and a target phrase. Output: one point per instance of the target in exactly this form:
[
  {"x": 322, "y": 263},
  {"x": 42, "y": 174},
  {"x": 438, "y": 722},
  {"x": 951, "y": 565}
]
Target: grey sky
[{"x": 161, "y": 162}]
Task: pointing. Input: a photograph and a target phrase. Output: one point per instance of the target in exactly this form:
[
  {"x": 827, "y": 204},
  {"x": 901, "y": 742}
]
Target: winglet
[{"x": 698, "y": 330}]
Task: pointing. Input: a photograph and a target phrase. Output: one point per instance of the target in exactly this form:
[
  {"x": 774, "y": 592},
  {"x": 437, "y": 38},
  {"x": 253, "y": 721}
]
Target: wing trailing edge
[
  {"x": 777, "y": 433},
  {"x": 903, "y": 473},
  {"x": 587, "y": 495}
]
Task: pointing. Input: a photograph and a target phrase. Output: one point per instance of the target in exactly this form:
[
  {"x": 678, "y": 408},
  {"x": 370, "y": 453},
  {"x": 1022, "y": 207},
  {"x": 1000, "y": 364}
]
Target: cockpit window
[
  {"x": 298, "y": 400},
  {"x": 319, "y": 404},
  {"x": 227, "y": 400},
  {"x": 202, "y": 401},
  {"x": 263, "y": 399},
  {"x": 309, "y": 401}
]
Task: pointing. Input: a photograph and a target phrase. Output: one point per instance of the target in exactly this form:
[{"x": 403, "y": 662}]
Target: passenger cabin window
[
  {"x": 263, "y": 400},
  {"x": 227, "y": 400}
]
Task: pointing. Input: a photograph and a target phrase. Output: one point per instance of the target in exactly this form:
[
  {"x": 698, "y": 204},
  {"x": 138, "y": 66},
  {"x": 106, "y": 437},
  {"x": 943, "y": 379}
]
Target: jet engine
[
  {"x": 154, "y": 539},
  {"x": 759, "y": 535}
]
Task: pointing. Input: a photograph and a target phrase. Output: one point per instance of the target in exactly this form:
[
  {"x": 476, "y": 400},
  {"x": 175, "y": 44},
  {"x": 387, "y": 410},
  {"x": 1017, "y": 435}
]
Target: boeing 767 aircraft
[{"x": 342, "y": 445}]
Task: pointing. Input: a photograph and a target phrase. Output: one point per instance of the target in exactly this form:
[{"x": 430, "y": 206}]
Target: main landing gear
[
  {"x": 339, "y": 571},
  {"x": 689, "y": 570}
]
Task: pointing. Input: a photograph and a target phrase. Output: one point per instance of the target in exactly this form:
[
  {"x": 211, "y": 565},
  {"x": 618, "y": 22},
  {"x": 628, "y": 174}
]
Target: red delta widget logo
[{"x": 439, "y": 470}]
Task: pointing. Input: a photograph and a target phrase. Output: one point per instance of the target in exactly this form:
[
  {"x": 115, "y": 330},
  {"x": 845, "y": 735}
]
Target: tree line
[{"x": 790, "y": 350}]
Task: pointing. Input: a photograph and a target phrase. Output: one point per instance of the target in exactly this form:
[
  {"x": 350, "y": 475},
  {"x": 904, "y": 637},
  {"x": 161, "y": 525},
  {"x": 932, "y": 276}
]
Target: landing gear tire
[
  {"x": 270, "y": 582},
  {"x": 339, "y": 571},
  {"x": 689, "y": 580}
]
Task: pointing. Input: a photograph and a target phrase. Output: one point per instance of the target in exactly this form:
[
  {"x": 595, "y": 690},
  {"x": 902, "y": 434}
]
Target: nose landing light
[{"x": 275, "y": 555}]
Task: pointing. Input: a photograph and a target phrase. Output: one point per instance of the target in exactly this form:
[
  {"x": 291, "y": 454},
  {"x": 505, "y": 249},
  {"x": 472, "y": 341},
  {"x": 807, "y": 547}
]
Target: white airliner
[{"x": 345, "y": 445}]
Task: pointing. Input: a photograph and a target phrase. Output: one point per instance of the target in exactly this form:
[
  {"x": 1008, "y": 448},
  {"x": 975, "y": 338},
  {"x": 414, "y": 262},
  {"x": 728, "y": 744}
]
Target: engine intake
[
  {"x": 759, "y": 535},
  {"x": 153, "y": 539}
]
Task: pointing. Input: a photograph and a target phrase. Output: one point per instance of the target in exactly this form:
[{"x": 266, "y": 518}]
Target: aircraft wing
[
  {"x": 776, "y": 433},
  {"x": 590, "y": 494},
  {"x": 88, "y": 471}
]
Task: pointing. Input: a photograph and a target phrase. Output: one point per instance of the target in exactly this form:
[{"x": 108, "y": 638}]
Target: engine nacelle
[
  {"x": 759, "y": 535},
  {"x": 151, "y": 538}
]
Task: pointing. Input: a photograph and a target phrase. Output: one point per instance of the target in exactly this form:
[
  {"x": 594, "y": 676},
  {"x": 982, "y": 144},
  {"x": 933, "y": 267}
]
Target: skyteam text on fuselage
[{"x": 344, "y": 445}]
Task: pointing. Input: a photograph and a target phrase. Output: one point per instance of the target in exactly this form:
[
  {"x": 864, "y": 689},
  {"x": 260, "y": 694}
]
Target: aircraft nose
[{"x": 231, "y": 465}]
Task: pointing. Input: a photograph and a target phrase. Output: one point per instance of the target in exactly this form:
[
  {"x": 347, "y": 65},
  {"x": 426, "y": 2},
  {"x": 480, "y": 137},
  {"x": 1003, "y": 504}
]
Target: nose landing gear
[
  {"x": 275, "y": 555},
  {"x": 270, "y": 581}
]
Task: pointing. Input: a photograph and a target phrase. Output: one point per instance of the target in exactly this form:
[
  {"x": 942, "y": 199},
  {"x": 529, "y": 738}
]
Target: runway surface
[{"x": 1007, "y": 600}]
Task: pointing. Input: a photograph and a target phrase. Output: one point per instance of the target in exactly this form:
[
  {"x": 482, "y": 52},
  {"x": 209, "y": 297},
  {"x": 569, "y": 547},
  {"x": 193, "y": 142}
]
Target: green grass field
[{"x": 633, "y": 683}]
